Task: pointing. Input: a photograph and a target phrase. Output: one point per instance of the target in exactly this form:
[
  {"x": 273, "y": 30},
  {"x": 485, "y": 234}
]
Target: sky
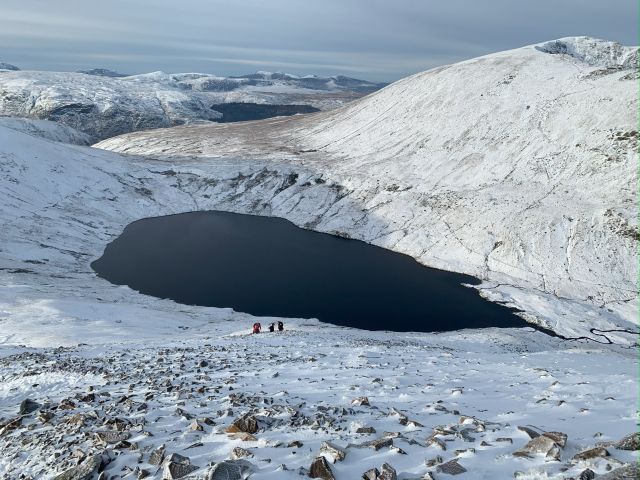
[{"x": 380, "y": 40}]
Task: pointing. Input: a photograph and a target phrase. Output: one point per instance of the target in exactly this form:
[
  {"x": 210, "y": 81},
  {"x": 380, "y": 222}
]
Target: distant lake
[{"x": 267, "y": 266}]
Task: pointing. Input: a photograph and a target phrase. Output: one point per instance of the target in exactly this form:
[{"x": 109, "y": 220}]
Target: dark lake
[{"x": 269, "y": 267}]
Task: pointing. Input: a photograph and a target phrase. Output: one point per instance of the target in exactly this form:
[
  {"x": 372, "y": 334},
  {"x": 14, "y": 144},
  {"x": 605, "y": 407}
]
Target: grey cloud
[{"x": 377, "y": 39}]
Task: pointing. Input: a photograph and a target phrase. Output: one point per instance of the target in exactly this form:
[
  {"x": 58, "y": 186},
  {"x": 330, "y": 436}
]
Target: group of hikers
[{"x": 257, "y": 327}]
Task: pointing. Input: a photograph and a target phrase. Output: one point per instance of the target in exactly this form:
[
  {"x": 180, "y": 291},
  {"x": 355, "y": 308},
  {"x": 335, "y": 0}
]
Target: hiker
[
  {"x": 257, "y": 327},
  {"x": 272, "y": 327},
  {"x": 280, "y": 326}
]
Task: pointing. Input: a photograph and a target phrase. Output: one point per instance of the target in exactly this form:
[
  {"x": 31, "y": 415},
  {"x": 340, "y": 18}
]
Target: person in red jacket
[{"x": 257, "y": 327}]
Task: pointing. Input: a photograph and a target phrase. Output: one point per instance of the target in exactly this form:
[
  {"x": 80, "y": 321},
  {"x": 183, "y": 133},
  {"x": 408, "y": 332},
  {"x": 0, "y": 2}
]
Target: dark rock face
[
  {"x": 630, "y": 442},
  {"x": 321, "y": 469},
  {"x": 240, "y": 112},
  {"x": 28, "y": 406},
  {"x": 85, "y": 471}
]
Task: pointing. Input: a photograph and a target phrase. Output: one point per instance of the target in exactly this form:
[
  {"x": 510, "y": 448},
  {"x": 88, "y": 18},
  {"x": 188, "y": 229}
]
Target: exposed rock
[
  {"x": 529, "y": 431},
  {"x": 365, "y": 430},
  {"x": 295, "y": 444},
  {"x": 436, "y": 442},
  {"x": 28, "y": 406},
  {"x": 558, "y": 437},
  {"x": 179, "y": 459},
  {"x": 321, "y": 469},
  {"x": 109, "y": 436},
  {"x": 371, "y": 474},
  {"x": 247, "y": 423},
  {"x": 590, "y": 454},
  {"x": 587, "y": 474},
  {"x": 540, "y": 445},
  {"x": 378, "y": 443},
  {"x": 244, "y": 436},
  {"x": 360, "y": 402},
  {"x": 630, "y": 442},
  {"x": 229, "y": 471},
  {"x": 452, "y": 467},
  {"x": 157, "y": 456},
  {"x": 334, "y": 452},
  {"x": 387, "y": 472},
  {"x": 239, "y": 452},
  {"x": 173, "y": 470},
  {"x": 85, "y": 471},
  {"x": 628, "y": 472}
]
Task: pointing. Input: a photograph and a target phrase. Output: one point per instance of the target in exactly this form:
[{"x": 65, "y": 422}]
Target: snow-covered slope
[
  {"x": 139, "y": 372},
  {"x": 106, "y": 105},
  {"x": 519, "y": 167},
  {"x": 46, "y": 129}
]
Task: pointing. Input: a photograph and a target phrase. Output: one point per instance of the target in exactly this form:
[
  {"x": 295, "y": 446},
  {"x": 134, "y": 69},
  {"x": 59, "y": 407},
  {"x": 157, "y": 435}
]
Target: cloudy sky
[{"x": 373, "y": 39}]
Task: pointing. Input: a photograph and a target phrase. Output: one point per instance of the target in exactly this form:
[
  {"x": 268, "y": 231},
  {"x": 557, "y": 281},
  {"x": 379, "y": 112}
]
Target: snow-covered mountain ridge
[
  {"x": 139, "y": 372},
  {"x": 103, "y": 105},
  {"x": 518, "y": 167}
]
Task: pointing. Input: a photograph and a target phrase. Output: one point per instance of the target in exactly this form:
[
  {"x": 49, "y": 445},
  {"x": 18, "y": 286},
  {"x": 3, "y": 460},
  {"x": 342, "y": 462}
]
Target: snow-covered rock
[
  {"x": 102, "y": 104},
  {"x": 518, "y": 167}
]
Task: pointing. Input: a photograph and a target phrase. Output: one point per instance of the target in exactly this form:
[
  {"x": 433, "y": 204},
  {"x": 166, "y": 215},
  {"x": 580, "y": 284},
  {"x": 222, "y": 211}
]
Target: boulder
[
  {"x": 587, "y": 474},
  {"x": 529, "y": 431},
  {"x": 85, "y": 471},
  {"x": 630, "y": 442},
  {"x": 541, "y": 445},
  {"x": 335, "y": 453},
  {"x": 321, "y": 469},
  {"x": 239, "y": 452},
  {"x": 452, "y": 467},
  {"x": 28, "y": 406},
  {"x": 627, "y": 472},
  {"x": 379, "y": 443},
  {"x": 228, "y": 471},
  {"x": 365, "y": 430},
  {"x": 157, "y": 456},
  {"x": 590, "y": 454},
  {"x": 371, "y": 474},
  {"x": 387, "y": 472},
  {"x": 173, "y": 470},
  {"x": 360, "y": 402},
  {"x": 558, "y": 437},
  {"x": 110, "y": 436},
  {"x": 247, "y": 423}
]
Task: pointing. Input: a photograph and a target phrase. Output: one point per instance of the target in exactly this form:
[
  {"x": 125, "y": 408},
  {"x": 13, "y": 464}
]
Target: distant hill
[
  {"x": 102, "y": 72},
  {"x": 8, "y": 66},
  {"x": 103, "y": 103}
]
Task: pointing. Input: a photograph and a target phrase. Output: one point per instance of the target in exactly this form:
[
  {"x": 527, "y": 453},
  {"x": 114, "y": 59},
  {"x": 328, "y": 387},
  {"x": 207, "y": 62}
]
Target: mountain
[
  {"x": 103, "y": 72},
  {"x": 501, "y": 166},
  {"x": 518, "y": 167},
  {"x": 8, "y": 66},
  {"x": 103, "y": 104}
]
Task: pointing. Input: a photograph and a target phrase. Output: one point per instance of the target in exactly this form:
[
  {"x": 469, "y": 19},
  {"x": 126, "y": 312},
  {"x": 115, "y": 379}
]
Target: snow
[
  {"x": 45, "y": 129},
  {"x": 504, "y": 379},
  {"x": 461, "y": 178}
]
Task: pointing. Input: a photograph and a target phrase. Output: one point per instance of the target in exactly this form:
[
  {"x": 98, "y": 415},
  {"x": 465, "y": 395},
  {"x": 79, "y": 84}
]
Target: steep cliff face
[{"x": 519, "y": 167}]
